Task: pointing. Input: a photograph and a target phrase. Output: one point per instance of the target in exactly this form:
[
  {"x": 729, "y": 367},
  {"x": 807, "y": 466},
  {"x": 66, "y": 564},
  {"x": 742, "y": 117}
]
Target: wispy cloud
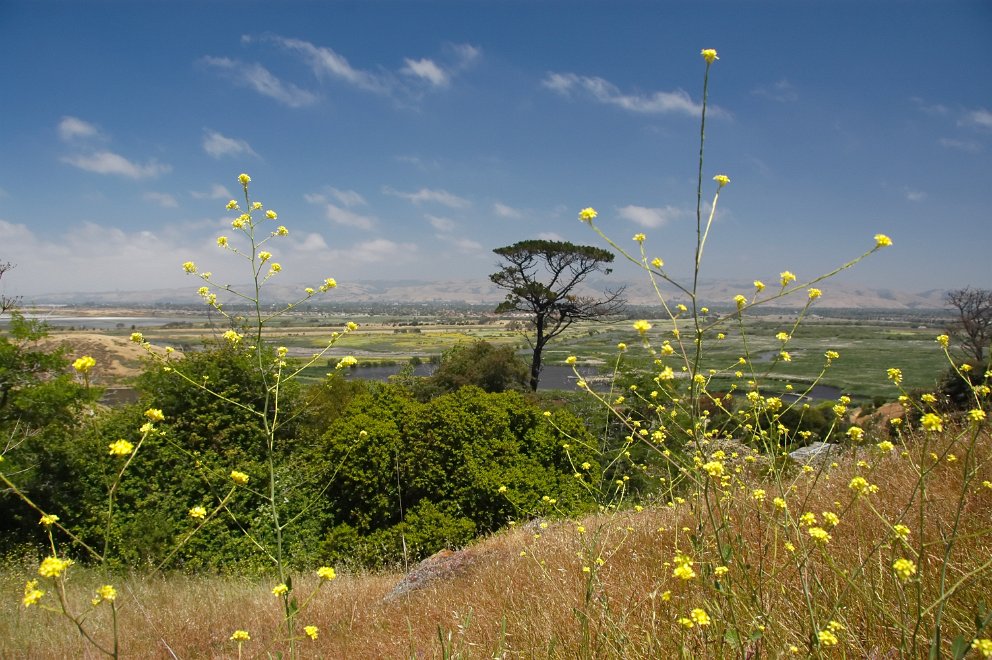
[
  {"x": 218, "y": 146},
  {"x": 107, "y": 162},
  {"x": 342, "y": 216},
  {"x": 216, "y": 191},
  {"x": 465, "y": 245},
  {"x": 164, "y": 200},
  {"x": 441, "y": 224},
  {"x": 980, "y": 117},
  {"x": 504, "y": 211},
  {"x": 349, "y": 198},
  {"x": 600, "y": 89},
  {"x": 72, "y": 128},
  {"x": 930, "y": 108},
  {"x": 915, "y": 195},
  {"x": 650, "y": 217},
  {"x": 781, "y": 91},
  {"x": 423, "y": 195},
  {"x": 261, "y": 80},
  {"x": 325, "y": 63},
  {"x": 427, "y": 70},
  {"x": 550, "y": 236},
  {"x": 969, "y": 146}
]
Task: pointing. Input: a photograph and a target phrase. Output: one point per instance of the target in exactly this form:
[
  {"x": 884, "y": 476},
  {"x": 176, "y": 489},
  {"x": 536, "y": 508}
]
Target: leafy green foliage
[{"x": 482, "y": 364}]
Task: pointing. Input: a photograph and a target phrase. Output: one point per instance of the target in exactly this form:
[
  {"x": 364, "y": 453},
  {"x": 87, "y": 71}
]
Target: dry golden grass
[{"x": 525, "y": 594}]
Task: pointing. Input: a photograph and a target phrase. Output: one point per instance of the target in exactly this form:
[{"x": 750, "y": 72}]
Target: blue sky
[{"x": 406, "y": 140}]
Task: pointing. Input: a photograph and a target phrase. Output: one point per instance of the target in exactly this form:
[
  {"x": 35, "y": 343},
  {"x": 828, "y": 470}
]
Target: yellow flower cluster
[
  {"x": 84, "y": 364},
  {"x": 240, "y": 636},
  {"x": 52, "y": 567},
  {"x": 642, "y": 326},
  {"x": 240, "y": 478},
  {"x": 121, "y": 448},
  {"x": 587, "y": 214},
  {"x": 904, "y": 569},
  {"x": 32, "y": 594}
]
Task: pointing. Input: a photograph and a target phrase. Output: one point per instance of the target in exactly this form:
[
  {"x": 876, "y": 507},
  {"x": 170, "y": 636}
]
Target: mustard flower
[
  {"x": 189, "y": 267},
  {"x": 106, "y": 592},
  {"x": 983, "y": 646},
  {"x": 819, "y": 535},
  {"x": 570, "y": 359},
  {"x": 240, "y": 221},
  {"x": 264, "y": 256},
  {"x": 722, "y": 180},
  {"x": 121, "y": 448},
  {"x": 686, "y": 622},
  {"x": 709, "y": 54},
  {"x": 222, "y": 241},
  {"x": 240, "y": 636},
  {"x": 347, "y": 361},
  {"x": 580, "y": 529},
  {"x": 700, "y": 616},
  {"x": 32, "y": 594},
  {"x": 657, "y": 263},
  {"x": 779, "y": 503},
  {"x": 621, "y": 346},
  {"x": 786, "y": 356},
  {"x": 814, "y": 294},
  {"x": 52, "y": 567},
  {"x": 861, "y": 486},
  {"x": 198, "y": 512},
  {"x": 155, "y": 415},
  {"x": 881, "y": 240},
  {"x": 232, "y": 205},
  {"x": 827, "y": 638},
  {"x": 326, "y": 573},
  {"x": 943, "y": 340},
  {"x": 808, "y": 518},
  {"x": 856, "y": 433},
  {"x": 976, "y": 415},
  {"x": 639, "y": 238},
  {"x": 885, "y": 446},
  {"x": 329, "y": 283},
  {"x": 84, "y": 364},
  {"x": 720, "y": 571},
  {"x": 786, "y": 277},
  {"x": 901, "y": 531},
  {"x": 240, "y": 478},
  {"x": 275, "y": 267},
  {"x": 831, "y": 518},
  {"x": 667, "y": 349},
  {"x": 683, "y": 567},
  {"x": 311, "y": 632},
  {"x": 48, "y": 520},
  {"x": 137, "y": 337},
  {"x": 587, "y": 214},
  {"x": 642, "y": 326},
  {"x": 244, "y": 179},
  {"x": 831, "y": 355},
  {"x": 928, "y": 398},
  {"x": 932, "y": 422},
  {"x": 758, "y": 494},
  {"x": 713, "y": 468},
  {"x": 740, "y": 300},
  {"x": 280, "y": 590},
  {"x": 904, "y": 569}
]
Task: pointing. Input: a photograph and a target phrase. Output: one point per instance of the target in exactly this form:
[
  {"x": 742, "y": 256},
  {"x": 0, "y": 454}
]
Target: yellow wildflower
[
  {"x": 326, "y": 573},
  {"x": 786, "y": 277},
  {"x": 239, "y": 478},
  {"x": 587, "y": 214},
  {"x": 52, "y": 567},
  {"x": 240, "y": 636},
  {"x": 244, "y": 179},
  {"x": 280, "y": 590},
  {"x": 121, "y": 448},
  {"x": 904, "y": 569},
  {"x": 722, "y": 179},
  {"x": 881, "y": 240},
  {"x": 932, "y": 422},
  {"x": 84, "y": 364},
  {"x": 642, "y": 326},
  {"x": 311, "y": 632},
  {"x": 198, "y": 512},
  {"x": 32, "y": 594},
  {"x": 700, "y": 616},
  {"x": 709, "y": 54}
]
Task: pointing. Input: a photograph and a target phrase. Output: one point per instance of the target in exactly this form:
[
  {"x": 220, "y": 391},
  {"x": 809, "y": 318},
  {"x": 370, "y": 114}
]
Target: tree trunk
[{"x": 535, "y": 367}]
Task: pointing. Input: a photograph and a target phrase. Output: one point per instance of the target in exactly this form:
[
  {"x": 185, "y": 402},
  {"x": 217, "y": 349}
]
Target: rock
[{"x": 814, "y": 453}]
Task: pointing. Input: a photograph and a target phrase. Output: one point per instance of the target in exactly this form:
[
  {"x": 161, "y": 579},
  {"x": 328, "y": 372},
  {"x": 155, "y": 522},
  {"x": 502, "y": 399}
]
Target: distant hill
[{"x": 718, "y": 293}]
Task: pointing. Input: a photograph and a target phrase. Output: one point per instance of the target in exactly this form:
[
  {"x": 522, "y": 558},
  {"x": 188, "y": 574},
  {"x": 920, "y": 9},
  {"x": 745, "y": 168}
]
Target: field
[{"x": 868, "y": 346}]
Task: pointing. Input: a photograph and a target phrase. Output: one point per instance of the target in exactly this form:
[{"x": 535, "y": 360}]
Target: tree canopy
[{"x": 541, "y": 278}]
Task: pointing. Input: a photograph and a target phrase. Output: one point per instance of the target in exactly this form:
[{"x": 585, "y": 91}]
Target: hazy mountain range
[{"x": 717, "y": 293}]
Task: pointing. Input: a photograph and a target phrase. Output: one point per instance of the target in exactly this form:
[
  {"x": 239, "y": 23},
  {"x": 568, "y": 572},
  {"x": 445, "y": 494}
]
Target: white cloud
[
  {"x": 915, "y": 195},
  {"x": 71, "y": 128},
  {"x": 781, "y": 91},
  {"x": 216, "y": 191},
  {"x": 349, "y": 198},
  {"x": 426, "y": 69},
  {"x": 930, "y": 108},
  {"x": 650, "y": 217},
  {"x": 441, "y": 224},
  {"x": 606, "y": 92},
  {"x": 550, "y": 236},
  {"x": 427, "y": 195},
  {"x": 341, "y": 216},
  {"x": 969, "y": 146},
  {"x": 461, "y": 244},
  {"x": 218, "y": 146},
  {"x": 106, "y": 162},
  {"x": 324, "y": 63},
  {"x": 380, "y": 249},
  {"x": 260, "y": 79},
  {"x": 981, "y": 118},
  {"x": 162, "y": 199},
  {"x": 504, "y": 211}
]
